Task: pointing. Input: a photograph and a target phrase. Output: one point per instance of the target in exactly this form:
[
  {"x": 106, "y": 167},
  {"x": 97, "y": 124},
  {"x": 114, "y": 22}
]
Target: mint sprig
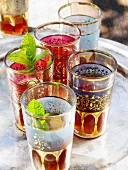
[
  {"x": 36, "y": 108},
  {"x": 28, "y": 44},
  {"x": 39, "y": 56},
  {"x": 27, "y": 53},
  {"x": 20, "y": 57}
]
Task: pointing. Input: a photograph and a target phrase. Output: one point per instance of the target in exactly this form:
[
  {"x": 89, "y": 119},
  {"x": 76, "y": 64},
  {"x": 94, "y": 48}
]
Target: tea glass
[
  {"x": 91, "y": 74},
  {"x": 87, "y": 17},
  {"x": 62, "y": 39},
  {"x": 20, "y": 81},
  {"x": 50, "y": 148},
  {"x": 13, "y": 17}
]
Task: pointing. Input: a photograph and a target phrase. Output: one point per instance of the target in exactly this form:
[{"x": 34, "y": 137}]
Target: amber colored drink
[
  {"x": 57, "y": 160},
  {"x": 14, "y": 25},
  {"x": 61, "y": 46},
  {"x": 91, "y": 75},
  {"x": 92, "y": 105},
  {"x": 14, "y": 17}
]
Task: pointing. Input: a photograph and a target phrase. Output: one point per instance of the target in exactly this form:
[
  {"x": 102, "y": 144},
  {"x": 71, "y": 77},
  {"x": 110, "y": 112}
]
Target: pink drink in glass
[
  {"x": 62, "y": 39},
  {"x": 59, "y": 46},
  {"x": 20, "y": 81}
]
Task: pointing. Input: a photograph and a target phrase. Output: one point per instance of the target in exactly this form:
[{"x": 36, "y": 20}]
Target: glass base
[{"x": 88, "y": 136}]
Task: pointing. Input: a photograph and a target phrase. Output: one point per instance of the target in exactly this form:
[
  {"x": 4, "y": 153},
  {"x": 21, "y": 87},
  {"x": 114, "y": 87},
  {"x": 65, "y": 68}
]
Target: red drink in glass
[
  {"x": 61, "y": 51},
  {"x": 20, "y": 81},
  {"x": 62, "y": 39}
]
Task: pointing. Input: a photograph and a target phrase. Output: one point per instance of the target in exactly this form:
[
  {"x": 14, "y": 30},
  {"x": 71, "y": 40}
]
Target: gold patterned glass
[
  {"x": 20, "y": 81},
  {"x": 62, "y": 39},
  {"x": 91, "y": 74},
  {"x": 50, "y": 148},
  {"x": 87, "y": 17}
]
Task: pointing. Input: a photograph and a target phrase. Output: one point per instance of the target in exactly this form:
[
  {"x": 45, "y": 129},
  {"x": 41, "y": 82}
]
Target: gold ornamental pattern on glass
[
  {"x": 93, "y": 103},
  {"x": 62, "y": 39},
  {"x": 20, "y": 81},
  {"x": 49, "y": 149},
  {"x": 87, "y": 17},
  {"x": 91, "y": 75}
]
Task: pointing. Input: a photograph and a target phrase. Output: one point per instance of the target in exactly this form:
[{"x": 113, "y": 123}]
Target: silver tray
[{"x": 96, "y": 154}]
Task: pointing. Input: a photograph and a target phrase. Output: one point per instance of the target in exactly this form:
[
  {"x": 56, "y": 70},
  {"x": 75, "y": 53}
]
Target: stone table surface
[{"x": 108, "y": 152}]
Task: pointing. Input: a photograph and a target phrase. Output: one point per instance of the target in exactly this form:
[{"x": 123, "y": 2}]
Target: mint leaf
[
  {"x": 28, "y": 43},
  {"x": 26, "y": 54},
  {"x": 20, "y": 57},
  {"x": 36, "y": 108},
  {"x": 41, "y": 124},
  {"x": 40, "y": 56}
]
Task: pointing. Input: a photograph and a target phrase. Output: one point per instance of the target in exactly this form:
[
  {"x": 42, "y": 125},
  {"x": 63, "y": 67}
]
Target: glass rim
[
  {"x": 55, "y": 23},
  {"x": 29, "y": 72},
  {"x": 92, "y": 78},
  {"x": 48, "y": 83},
  {"x": 82, "y": 3}
]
